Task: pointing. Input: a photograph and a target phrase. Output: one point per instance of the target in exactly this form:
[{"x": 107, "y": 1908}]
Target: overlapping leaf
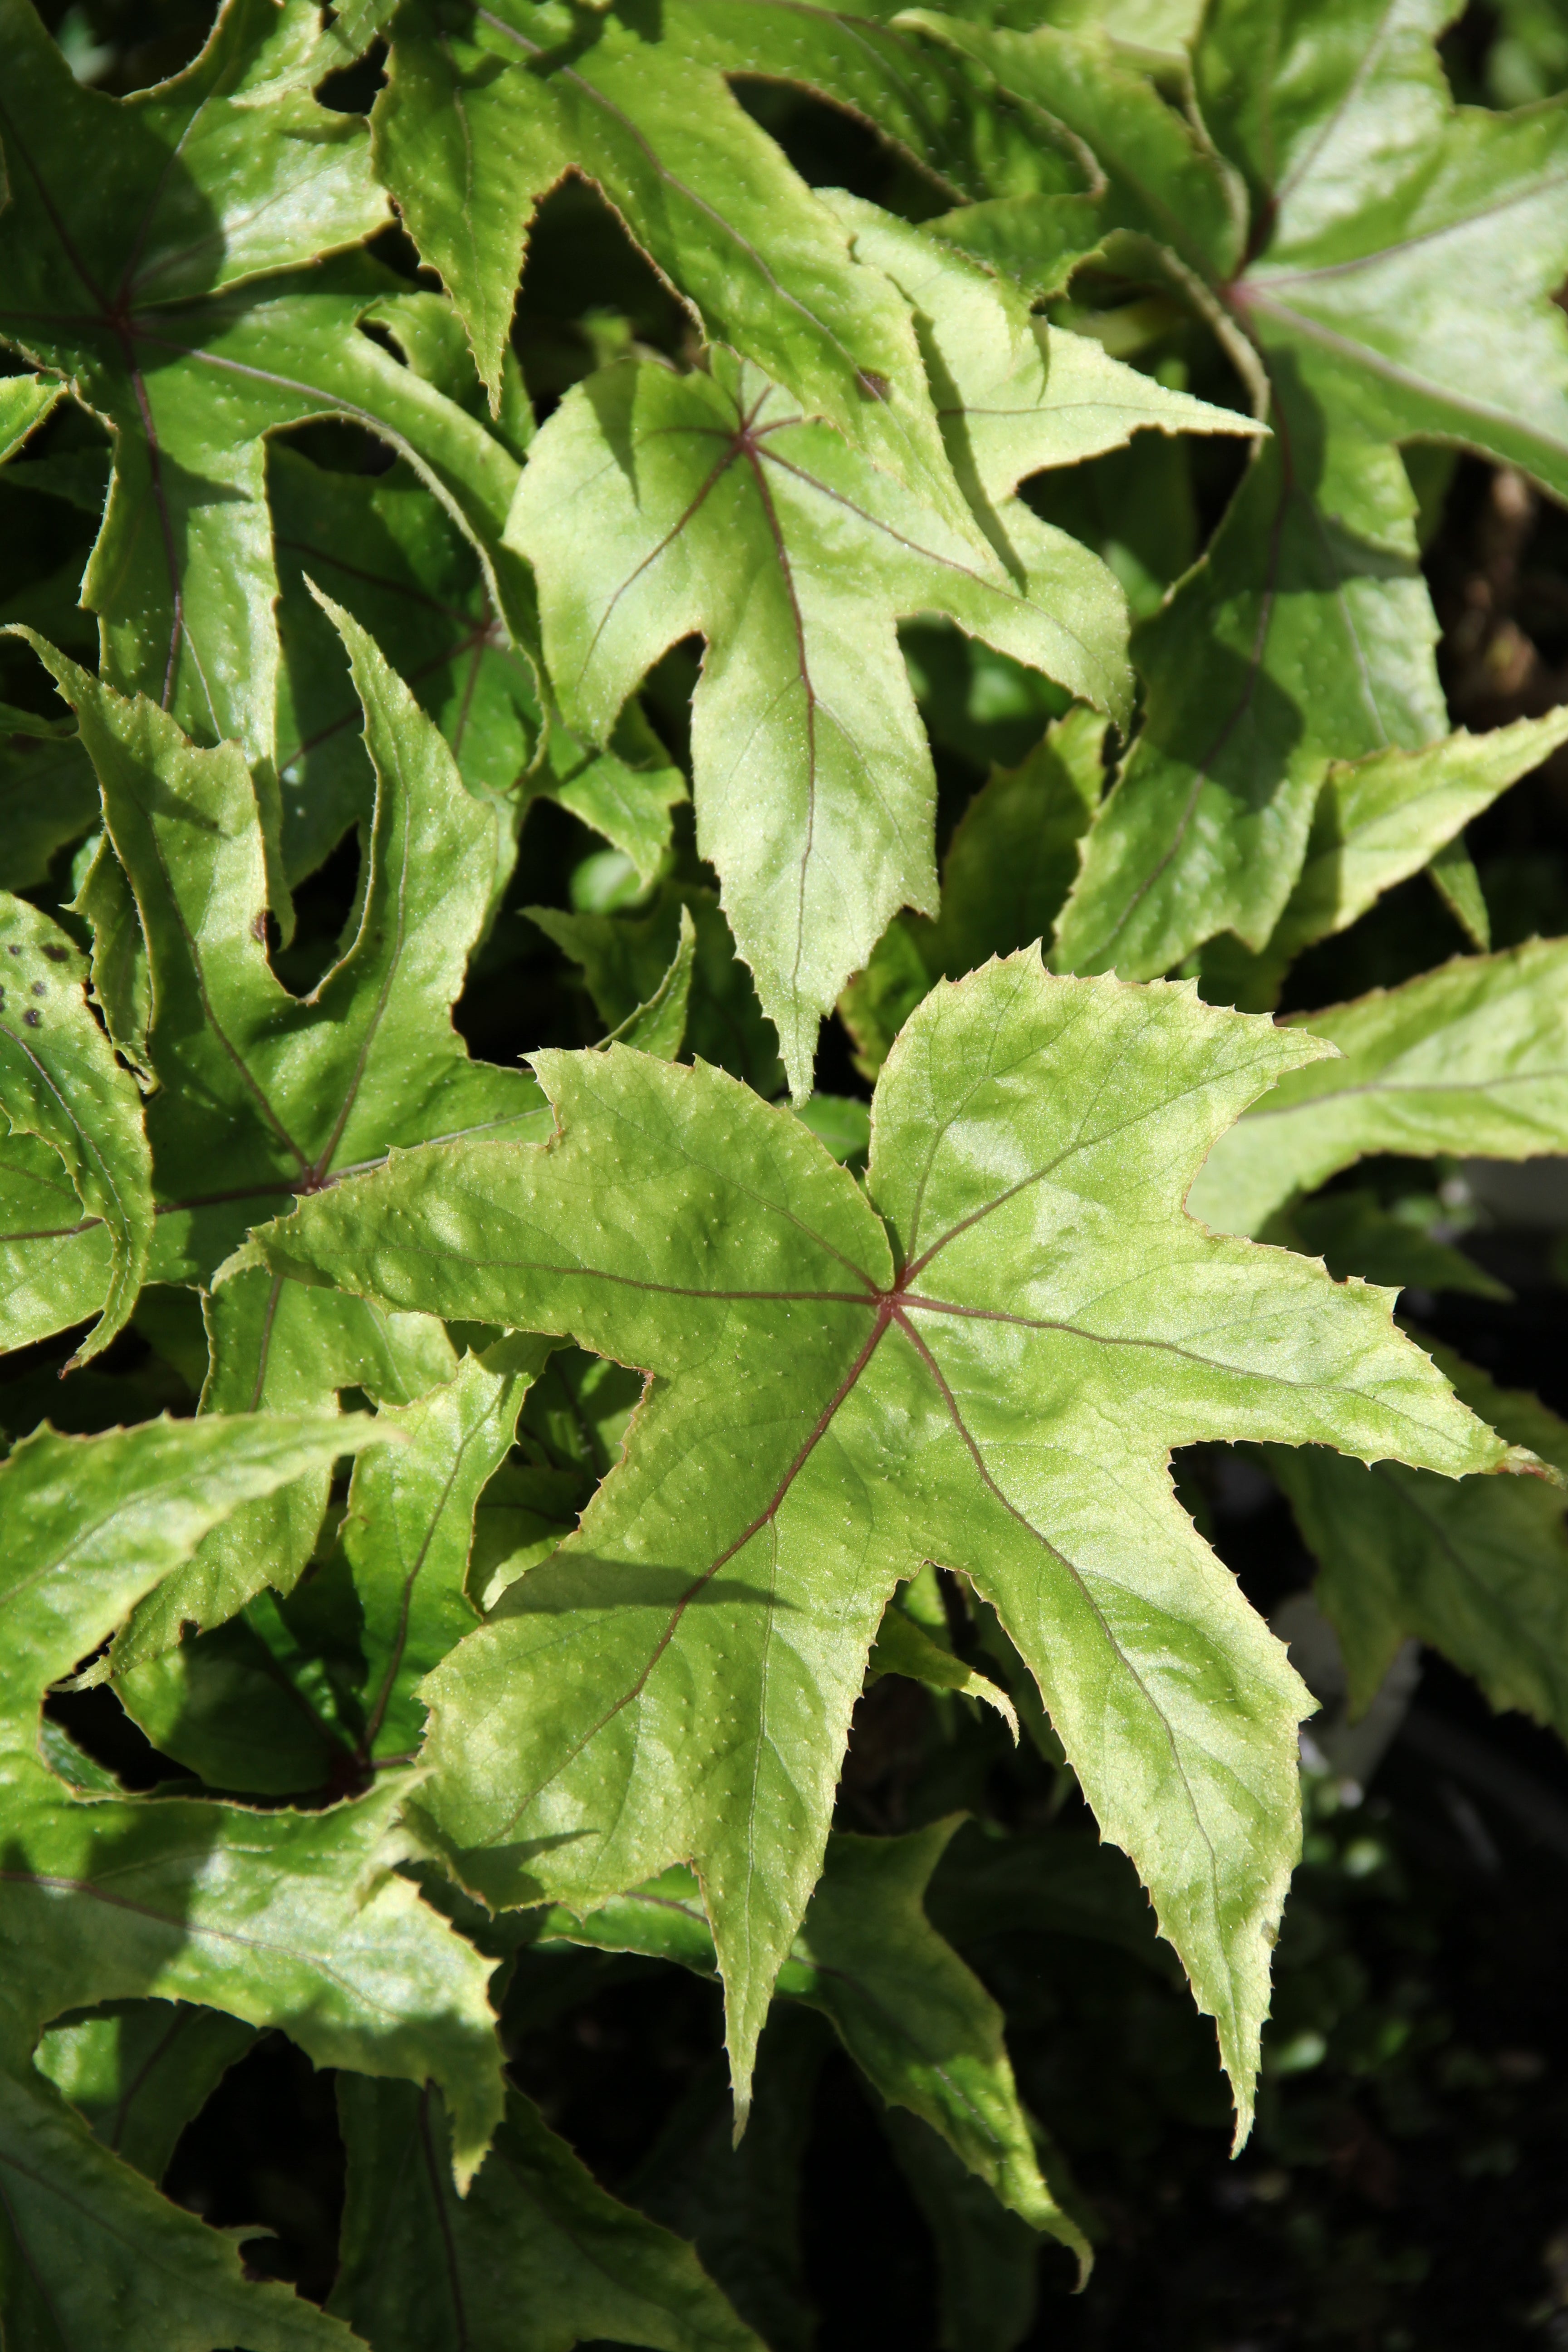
[
  {"x": 536, "y": 2258},
  {"x": 262, "y": 1093},
  {"x": 654, "y": 505},
  {"x": 1468, "y": 1059},
  {"x": 987, "y": 1368},
  {"x": 1479, "y": 1573},
  {"x": 921, "y": 2027},
  {"x": 158, "y": 255},
  {"x": 1346, "y": 230},
  {"x": 278, "y": 1918},
  {"x": 76, "y": 1133}
]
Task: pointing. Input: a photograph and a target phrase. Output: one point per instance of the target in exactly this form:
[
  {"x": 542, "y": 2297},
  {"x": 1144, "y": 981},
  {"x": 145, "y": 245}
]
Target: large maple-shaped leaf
[
  {"x": 279, "y": 1919},
  {"x": 654, "y": 505},
  {"x": 158, "y": 253},
  {"x": 982, "y": 1360},
  {"x": 1348, "y": 232}
]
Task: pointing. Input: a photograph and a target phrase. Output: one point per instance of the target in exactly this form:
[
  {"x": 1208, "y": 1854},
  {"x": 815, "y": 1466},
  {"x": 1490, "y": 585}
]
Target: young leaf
[
  {"x": 656, "y": 505},
  {"x": 1380, "y": 820},
  {"x": 536, "y": 2258},
  {"x": 90, "y": 2254},
  {"x": 921, "y": 2027},
  {"x": 659, "y": 1025},
  {"x": 484, "y": 110},
  {"x": 60, "y": 1083},
  {"x": 904, "y": 1647},
  {"x": 407, "y": 1534},
  {"x": 279, "y": 1918},
  {"x": 987, "y": 1368},
  {"x": 1480, "y": 1572},
  {"x": 1467, "y": 1059},
  {"x": 1009, "y": 865}
]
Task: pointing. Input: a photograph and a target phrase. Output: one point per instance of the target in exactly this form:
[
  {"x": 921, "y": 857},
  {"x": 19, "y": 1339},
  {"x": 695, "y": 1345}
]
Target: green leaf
[
  {"x": 49, "y": 795},
  {"x": 1413, "y": 248},
  {"x": 277, "y": 1347},
  {"x": 122, "y": 212},
  {"x": 407, "y": 571},
  {"x": 59, "y": 1081},
  {"x": 1354, "y": 1234},
  {"x": 1380, "y": 820},
  {"x": 1009, "y": 865},
  {"x": 279, "y": 1919},
  {"x": 904, "y": 1647},
  {"x": 138, "y": 2071},
  {"x": 535, "y": 2258},
  {"x": 1460, "y": 886},
  {"x": 407, "y": 1533},
  {"x": 920, "y": 2026},
  {"x": 90, "y": 2254},
  {"x": 1479, "y": 1572},
  {"x": 24, "y": 402},
  {"x": 657, "y": 505},
  {"x": 1467, "y": 1059},
  {"x": 827, "y": 1414},
  {"x": 219, "y": 1704},
  {"x": 1014, "y": 395},
  {"x": 1387, "y": 230},
  {"x": 624, "y": 957},
  {"x": 659, "y": 1027},
  {"x": 260, "y": 1092},
  {"x": 986, "y": 2258},
  {"x": 485, "y": 110}
]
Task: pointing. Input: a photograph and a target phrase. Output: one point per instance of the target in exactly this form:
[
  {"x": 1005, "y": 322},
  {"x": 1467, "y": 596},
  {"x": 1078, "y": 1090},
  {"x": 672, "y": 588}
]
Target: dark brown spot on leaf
[
  {"x": 874, "y": 386},
  {"x": 259, "y": 927},
  {"x": 56, "y": 953},
  {"x": 33, "y": 1017},
  {"x": 37, "y": 988}
]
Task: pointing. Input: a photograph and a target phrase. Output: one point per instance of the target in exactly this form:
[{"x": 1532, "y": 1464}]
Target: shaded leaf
[
  {"x": 535, "y": 2258},
  {"x": 1479, "y": 1572},
  {"x": 139, "y": 2071}
]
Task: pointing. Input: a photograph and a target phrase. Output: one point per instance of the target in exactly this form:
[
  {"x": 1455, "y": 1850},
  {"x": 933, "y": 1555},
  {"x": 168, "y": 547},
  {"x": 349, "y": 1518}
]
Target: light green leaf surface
[
  {"x": 1388, "y": 230},
  {"x": 536, "y": 2258},
  {"x": 407, "y": 1534},
  {"x": 1009, "y": 865},
  {"x": 279, "y": 1919},
  {"x": 920, "y": 2026},
  {"x": 60, "y": 1083},
  {"x": 655, "y": 506},
  {"x": 904, "y": 1647},
  {"x": 659, "y": 1025},
  {"x": 1467, "y": 1059},
  {"x": 988, "y": 1368},
  {"x": 396, "y": 560},
  {"x": 24, "y": 402},
  {"x": 1380, "y": 820},
  {"x": 1479, "y": 1572}
]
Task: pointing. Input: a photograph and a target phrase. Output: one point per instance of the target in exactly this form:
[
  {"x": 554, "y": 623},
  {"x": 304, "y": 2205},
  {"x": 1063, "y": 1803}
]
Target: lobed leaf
[{"x": 827, "y": 1414}]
